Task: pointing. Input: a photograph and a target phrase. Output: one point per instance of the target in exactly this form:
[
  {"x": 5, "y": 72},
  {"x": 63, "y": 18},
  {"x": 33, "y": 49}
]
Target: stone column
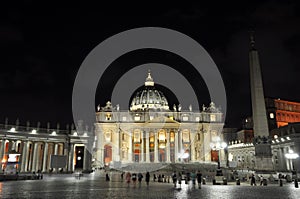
[
  {"x": 34, "y": 160},
  {"x": 116, "y": 154},
  {"x": 130, "y": 147},
  {"x": 2, "y": 150},
  {"x": 100, "y": 149},
  {"x": 147, "y": 148},
  {"x": 71, "y": 157},
  {"x": 45, "y": 157},
  {"x": 206, "y": 146},
  {"x": 155, "y": 148},
  {"x": 176, "y": 146},
  {"x": 55, "y": 153},
  {"x": 168, "y": 151},
  {"x": 142, "y": 148},
  {"x": 24, "y": 157},
  {"x": 86, "y": 158},
  {"x": 192, "y": 143}
]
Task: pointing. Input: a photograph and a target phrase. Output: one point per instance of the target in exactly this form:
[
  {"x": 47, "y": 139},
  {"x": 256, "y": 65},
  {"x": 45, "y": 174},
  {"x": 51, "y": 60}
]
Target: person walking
[
  {"x": 134, "y": 179},
  {"x": 261, "y": 180},
  {"x": 122, "y": 175},
  {"x": 253, "y": 183},
  {"x": 193, "y": 177},
  {"x": 179, "y": 179},
  {"x": 154, "y": 177},
  {"x": 199, "y": 179},
  {"x": 140, "y": 177},
  {"x": 128, "y": 178},
  {"x": 174, "y": 178},
  {"x": 147, "y": 178},
  {"x": 107, "y": 177}
]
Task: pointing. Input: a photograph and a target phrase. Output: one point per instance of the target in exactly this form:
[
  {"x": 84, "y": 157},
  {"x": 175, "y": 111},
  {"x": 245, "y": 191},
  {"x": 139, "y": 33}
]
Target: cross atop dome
[{"x": 149, "y": 80}]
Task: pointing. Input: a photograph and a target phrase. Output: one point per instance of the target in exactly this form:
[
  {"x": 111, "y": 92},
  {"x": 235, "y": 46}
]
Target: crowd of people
[{"x": 176, "y": 177}]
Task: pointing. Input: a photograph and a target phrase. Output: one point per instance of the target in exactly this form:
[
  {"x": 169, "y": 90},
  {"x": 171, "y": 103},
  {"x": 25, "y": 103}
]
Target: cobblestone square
[{"x": 95, "y": 186}]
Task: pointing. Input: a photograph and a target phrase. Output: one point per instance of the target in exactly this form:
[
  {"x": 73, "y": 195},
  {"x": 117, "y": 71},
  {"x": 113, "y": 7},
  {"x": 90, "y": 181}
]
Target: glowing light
[
  {"x": 223, "y": 145},
  {"x": 53, "y": 133},
  {"x": 33, "y": 131},
  {"x": 291, "y": 155},
  {"x": 12, "y": 157},
  {"x": 75, "y": 133},
  {"x": 288, "y": 138},
  {"x": 12, "y": 129},
  {"x": 275, "y": 136}
]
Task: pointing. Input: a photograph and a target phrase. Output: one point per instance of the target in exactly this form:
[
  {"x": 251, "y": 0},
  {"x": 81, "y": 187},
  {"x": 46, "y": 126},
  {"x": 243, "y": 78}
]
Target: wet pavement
[{"x": 95, "y": 186}]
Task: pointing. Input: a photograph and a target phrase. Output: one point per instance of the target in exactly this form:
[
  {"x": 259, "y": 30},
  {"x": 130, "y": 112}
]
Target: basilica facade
[{"x": 150, "y": 132}]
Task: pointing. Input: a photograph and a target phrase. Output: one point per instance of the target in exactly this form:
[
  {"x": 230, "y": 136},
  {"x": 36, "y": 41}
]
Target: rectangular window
[
  {"x": 212, "y": 118},
  {"x": 172, "y": 137},
  {"x": 185, "y": 118}
]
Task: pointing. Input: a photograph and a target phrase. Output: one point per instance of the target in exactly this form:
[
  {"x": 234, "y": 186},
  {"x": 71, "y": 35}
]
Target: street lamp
[
  {"x": 218, "y": 146},
  {"x": 219, "y": 178}
]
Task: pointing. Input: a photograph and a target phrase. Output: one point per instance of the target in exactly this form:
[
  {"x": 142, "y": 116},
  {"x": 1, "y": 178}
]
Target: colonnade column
[
  {"x": 45, "y": 157},
  {"x": 71, "y": 153},
  {"x": 34, "y": 161},
  {"x": 147, "y": 148},
  {"x": 85, "y": 159},
  {"x": 55, "y": 152},
  {"x": 2, "y": 149},
  {"x": 168, "y": 147},
  {"x": 24, "y": 157}
]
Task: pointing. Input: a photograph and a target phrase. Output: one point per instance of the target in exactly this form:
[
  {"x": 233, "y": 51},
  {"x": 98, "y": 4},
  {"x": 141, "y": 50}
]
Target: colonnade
[{"x": 35, "y": 155}]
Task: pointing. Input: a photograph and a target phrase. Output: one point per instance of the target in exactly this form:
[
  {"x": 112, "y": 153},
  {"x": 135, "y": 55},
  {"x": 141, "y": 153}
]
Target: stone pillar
[
  {"x": 142, "y": 148},
  {"x": 100, "y": 149},
  {"x": 71, "y": 158},
  {"x": 147, "y": 148},
  {"x": 176, "y": 146},
  {"x": 55, "y": 148},
  {"x": 55, "y": 153},
  {"x": 206, "y": 146},
  {"x": 37, "y": 166},
  {"x": 45, "y": 157},
  {"x": 168, "y": 151},
  {"x": 34, "y": 160},
  {"x": 24, "y": 157},
  {"x": 192, "y": 144},
  {"x": 2, "y": 151},
  {"x": 116, "y": 154},
  {"x": 130, "y": 147},
  {"x": 86, "y": 159},
  {"x": 155, "y": 148}
]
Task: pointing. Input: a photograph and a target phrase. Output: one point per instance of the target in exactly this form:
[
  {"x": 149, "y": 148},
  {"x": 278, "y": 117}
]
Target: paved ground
[{"x": 94, "y": 186}]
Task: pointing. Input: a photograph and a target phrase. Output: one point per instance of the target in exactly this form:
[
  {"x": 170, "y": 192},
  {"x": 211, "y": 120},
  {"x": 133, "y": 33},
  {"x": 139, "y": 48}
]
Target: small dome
[{"x": 149, "y": 98}]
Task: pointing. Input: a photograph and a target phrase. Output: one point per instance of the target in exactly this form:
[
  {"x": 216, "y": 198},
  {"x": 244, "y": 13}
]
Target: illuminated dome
[{"x": 149, "y": 98}]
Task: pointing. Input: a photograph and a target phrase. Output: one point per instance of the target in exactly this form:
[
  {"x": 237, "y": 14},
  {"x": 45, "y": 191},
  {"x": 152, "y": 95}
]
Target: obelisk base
[{"x": 263, "y": 163}]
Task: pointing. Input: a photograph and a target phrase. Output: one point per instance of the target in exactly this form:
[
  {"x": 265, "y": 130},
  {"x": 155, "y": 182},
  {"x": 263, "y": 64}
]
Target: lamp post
[
  {"x": 293, "y": 156},
  {"x": 219, "y": 178},
  {"x": 218, "y": 146}
]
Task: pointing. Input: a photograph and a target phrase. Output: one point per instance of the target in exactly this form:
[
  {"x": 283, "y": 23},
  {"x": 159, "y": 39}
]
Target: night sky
[{"x": 43, "y": 46}]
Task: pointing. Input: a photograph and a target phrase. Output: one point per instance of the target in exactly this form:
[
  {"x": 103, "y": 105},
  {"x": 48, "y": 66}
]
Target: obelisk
[{"x": 263, "y": 154}]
